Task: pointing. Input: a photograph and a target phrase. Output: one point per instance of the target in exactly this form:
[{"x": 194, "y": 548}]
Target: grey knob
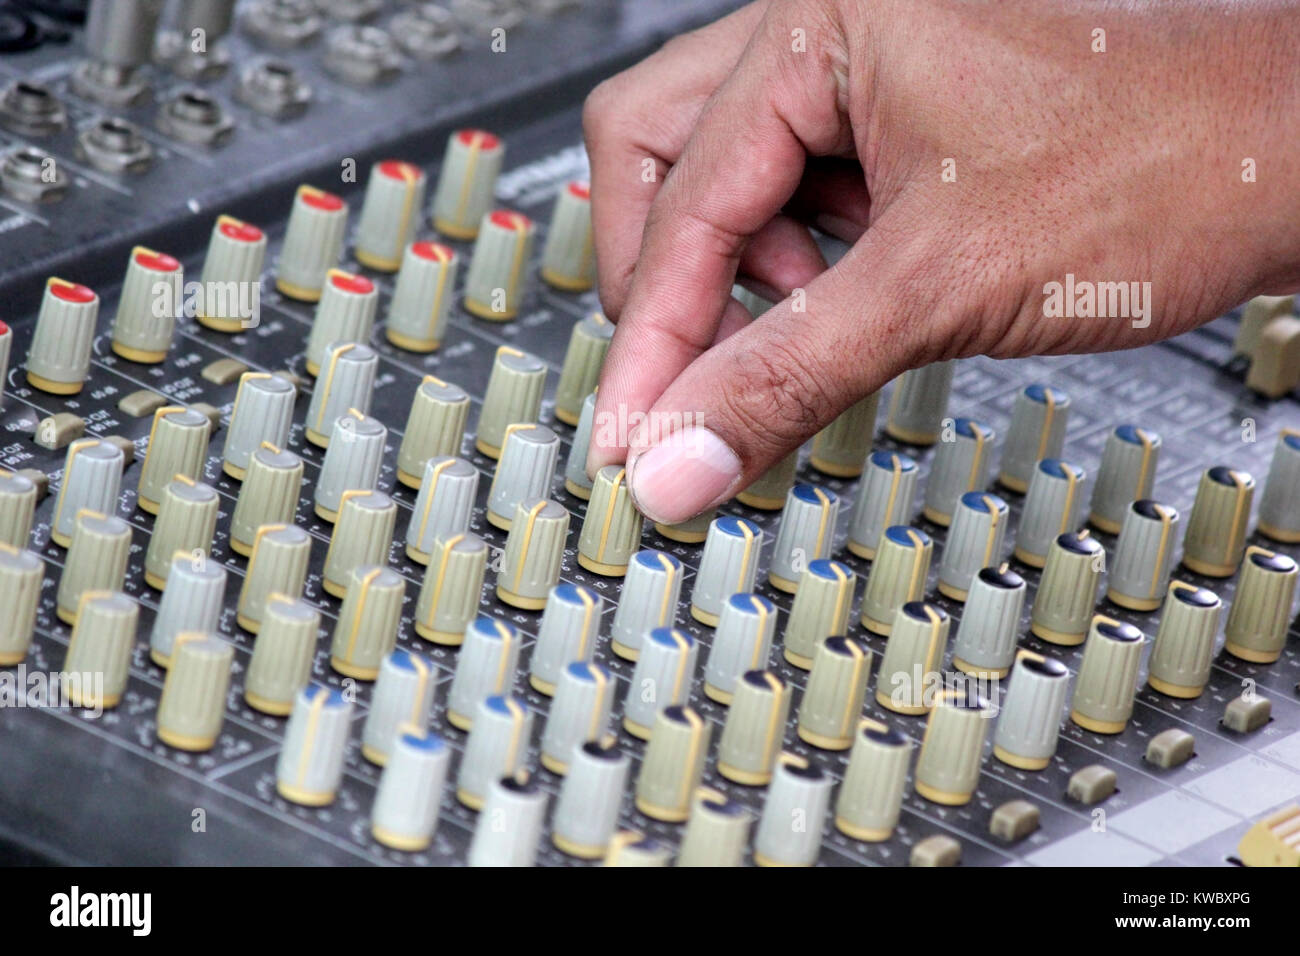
[
  {"x": 282, "y": 655},
  {"x": 98, "y": 662},
  {"x": 1127, "y": 474},
  {"x": 1067, "y": 591},
  {"x": 402, "y": 700},
  {"x": 840, "y": 447},
  {"x": 525, "y": 470},
  {"x": 1030, "y": 721},
  {"x": 1144, "y": 556},
  {"x": 193, "y": 702},
  {"x": 913, "y": 660},
  {"x": 17, "y": 507},
  {"x": 728, "y": 566},
  {"x": 178, "y": 445},
  {"x": 586, "y": 813},
  {"x": 310, "y": 768},
  {"x": 92, "y": 474},
  {"x": 466, "y": 182},
  {"x": 832, "y": 701},
  {"x": 611, "y": 529},
  {"x": 820, "y": 609},
  {"x": 405, "y": 814},
  {"x": 1037, "y": 431},
  {"x": 140, "y": 333},
  {"x": 975, "y": 541},
  {"x": 196, "y": 592},
  {"x": 990, "y": 625},
  {"x": 496, "y": 748},
  {"x": 1258, "y": 313},
  {"x": 313, "y": 243},
  {"x": 805, "y": 534},
  {"x": 1216, "y": 530},
  {"x": 277, "y": 567},
  {"x": 186, "y": 522},
  {"x": 485, "y": 666},
  {"x": 673, "y": 764},
  {"x": 509, "y": 827},
  {"x": 691, "y": 531},
  {"x": 268, "y": 495},
  {"x": 346, "y": 382},
  {"x": 580, "y": 374},
  {"x": 569, "y": 258},
  {"x": 568, "y": 633},
  {"x": 1107, "y": 678},
  {"x": 59, "y": 358},
  {"x": 743, "y": 642},
  {"x": 232, "y": 271},
  {"x": 422, "y": 297},
  {"x": 534, "y": 553},
  {"x": 648, "y": 600},
  {"x": 663, "y": 677},
  {"x": 101, "y": 547},
  {"x": 770, "y": 490},
  {"x": 886, "y": 494},
  {"x": 897, "y": 576},
  {"x": 498, "y": 269},
  {"x": 919, "y": 403},
  {"x": 390, "y": 214},
  {"x": 948, "y": 768},
  {"x": 363, "y": 535},
  {"x": 263, "y": 412},
  {"x": 449, "y": 594},
  {"x": 434, "y": 428},
  {"x": 631, "y": 848},
  {"x": 514, "y": 394},
  {"x": 961, "y": 464},
  {"x": 443, "y": 507},
  {"x": 122, "y": 34},
  {"x": 353, "y": 460},
  {"x": 21, "y": 574},
  {"x": 1261, "y": 608},
  {"x": 752, "y": 735},
  {"x": 1051, "y": 509},
  {"x": 871, "y": 796},
  {"x": 366, "y": 631},
  {"x": 346, "y": 313},
  {"x": 1279, "y": 507},
  {"x": 790, "y": 828},
  {"x": 584, "y": 697},
  {"x": 1183, "y": 651},
  {"x": 576, "y": 481},
  {"x": 717, "y": 831}
]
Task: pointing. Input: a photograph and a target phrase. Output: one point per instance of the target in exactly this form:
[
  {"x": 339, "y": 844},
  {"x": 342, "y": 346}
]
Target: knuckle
[{"x": 780, "y": 401}]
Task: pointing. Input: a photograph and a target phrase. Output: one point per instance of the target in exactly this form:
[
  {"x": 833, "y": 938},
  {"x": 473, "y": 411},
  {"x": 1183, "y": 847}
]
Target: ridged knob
[
  {"x": 790, "y": 828},
  {"x": 1051, "y": 509},
  {"x": 21, "y": 574},
  {"x": 193, "y": 703},
  {"x": 282, "y": 655},
  {"x": 743, "y": 642},
  {"x": 178, "y": 445},
  {"x": 485, "y": 666},
  {"x": 584, "y": 697},
  {"x": 353, "y": 460},
  {"x": 310, "y": 768},
  {"x": 363, "y": 535},
  {"x": 1030, "y": 721},
  {"x": 186, "y": 522},
  {"x": 728, "y": 566},
  {"x": 509, "y": 826},
  {"x": 1144, "y": 556},
  {"x": 632, "y": 848},
  {"x": 805, "y": 535},
  {"x": 17, "y": 506},
  {"x": 919, "y": 403},
  {"x": 496, "y": 748},
  {"x": 611, "y": 529},
  {"x": 1258, "y": 313},
  {"x": 1127, "y": 474},
  {"x": 390, "y": 213},
  {"x": 886, "y": 494},
  {"x": 961, "y": 464},
  {"x": 514, "y": 394},
  {"x": 580, "y": 373},
  {"x": 277, "y": 566},
  {"x": 313, "y": 243},
  {"x": 990, "y": 624},
  {"x": 346, "y": 313},
  {"x": 269, "y": 495},
  {"x": 1183, "y": 651},
  {"x": 422, "y": 297},
  {"x": 871, "y": 795},
  {"x": 752, "y": 735},
  {"x": 195, "y": 595},
  {"x": 525, "y": 470},
  {"x": 98, "y": 661},
  {"x": 1216, "y": 529},
  {"x": 97, "y": 558},
  {"x": 1067, "y": 591},
  {"x": 405, "y": 814},
  {"x": 1279, "y": 507},
  {"x": 449, "y": 594},
  {"x": 569, "y": 258},
  {"x": 403, "y": 698},
  {"x": 912, "y": 664},
  {"x": 975, "y": 541},
  {"x": 366, "y": 631},
  {"x": 770, "y": 490},
  {"x": 840, "y": 448},
  {"x": 673, "y": 764},
  {"x": 435, "y": 427},
  {"x": 691, "y": 531},
  {"x": 534, "y": 553},
  {"x": 232, "y": 271},
  {"x": 140, "y": 333},
  {"x": 498, "y": 268},
  {"x": 717, "y": 831},
  {"x": 897, "y": 576},
  {"x": 568, "y": 632},
  {"x": 92, "y": 475},
  {"x": 663, "y": 677},
  {"x": 1037, "y": 431},
  {"x": 586, "y": 813},
  {"x": 948, "y": 768},
  {"x": 1107, "y": 678},
  {"x": 648, "y": 600},
  {"x": 820, "y": 610},
  {"x": 347, "y": 381},
  {"x": 1261, "y": 608},
  {"x": 832, "y": 701},
  {"x": 263, "y": 412},
  {"x": 59, "y": 358},
  {"x": 466, "y": 182},
  {"x": 443, "y": 507},
  {"x": 576, "y": 481}
]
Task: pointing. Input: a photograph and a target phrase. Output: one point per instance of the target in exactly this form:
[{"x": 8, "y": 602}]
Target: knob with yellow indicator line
[
  {"x": 990, "y": 625},
  {"x": 885, "y": 498},
  {"x": 509, "y": 827},
  {"x": 443, "y": 507},
  {"x": 1067, "y": 591},
  {"x": 717, "y": 831},
  {"x": 187, "y": 520},
  {"x": 673, "y": 764},
  {"x": 648, "y": 600},
  {"x": 1182, "y": 654},
  {"x": 534, "y": 553},
  {"x": 498, "y": 269},
  {"x": 584, "y": 697},
  {"x": 310, "y": 768},
  {"x": 790, "y": 828},
  {"x": 1127, "y": 474},
  {"x": 178, "y": 445},
  {"x": 569, "y": 258},
  {"x": 347, "y": 382},
  {"x": 514, "y": 394},
  {"x": 231, "y": 277},
  {"x": 871, "y": 796},
  {"x": 1030, "y": 721},
  {"x": 353, "y": 460},
  {"x": 1107, "y": 678},
  {"x": 407, "y": 800},
  {"x": 630, "y": 848},
  {"x": 770, "y": 490},
  {"x": 422, "y": 297},
  {"x": 840, "y": 448},
  {"x": 805, "y": 535},
  {"x": 1144, "y": 556},
  {"x": 146, "y": 316},
  {"x": 98, "y": 662},
  {"x": 1216, "y": 529},
  {"x": 975, "y": 542},
  {"x": 363, "y": 535},
  {"x": 282, "y": 655},
  {"x": 580, "y": 374},
  {"x": 1037, "y": 431},
  {"x": 897, "y": 576},
  {"x": 913, "y": 660},
  {"x": 837, "y": 686},
  {"x": 752, "y": 735},
  {"x": 728, "y": 566},
  {"x": 485, "y": 666},
  {"x": 435, "y": 427},
  {"x": 403, "y": 697},
  {"x": 313, "y": 243},
  {"x": 193, "y": 703},
  {"x": 1051, "y": 508},
  {"x": 525, "y": 470},
  {"x": 346, "y": 313},
  {"x": 743, "y": 642},
  {"x": 17, "y": 508},
  {"x": 263, "y": 412},
  {"x": 586, "y": 813},
  {"x": 196, "y": 591},
  {"x": 497, "y": 747},
  {"x": 21, "y": 574},
  {"x": 390, "y": 213},
  {"x": 467, "y": 182},
  {"x": 268, "y": 495},
  {"x": 960, "y": 465},
  {"x": 59, "y": 358},
  {"x": 1261, "y": 609},
  {"x": 1279, "y": 507},
  {"x": 663, "y": 677},
  {"x": 568, "y": 632},
  {"x": 277, "y": 566},
  {"x": 92, "y": 475},
  {"x": 611, "y": 529},
  {"x": 576, "y": 481},
  {"x": 948, "y": 768},
  {"x": 97, "y": 559},
  {"x": 919, "y": 402},
  {"x": 820, "y": 610},
  {"x": 449, "y": 594},
  {"x": 366, "y": 631}
]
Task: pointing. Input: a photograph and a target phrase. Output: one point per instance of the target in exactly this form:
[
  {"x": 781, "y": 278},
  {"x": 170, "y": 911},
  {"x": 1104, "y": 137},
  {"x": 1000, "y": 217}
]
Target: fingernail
[{"x": 688, "y": 471}]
